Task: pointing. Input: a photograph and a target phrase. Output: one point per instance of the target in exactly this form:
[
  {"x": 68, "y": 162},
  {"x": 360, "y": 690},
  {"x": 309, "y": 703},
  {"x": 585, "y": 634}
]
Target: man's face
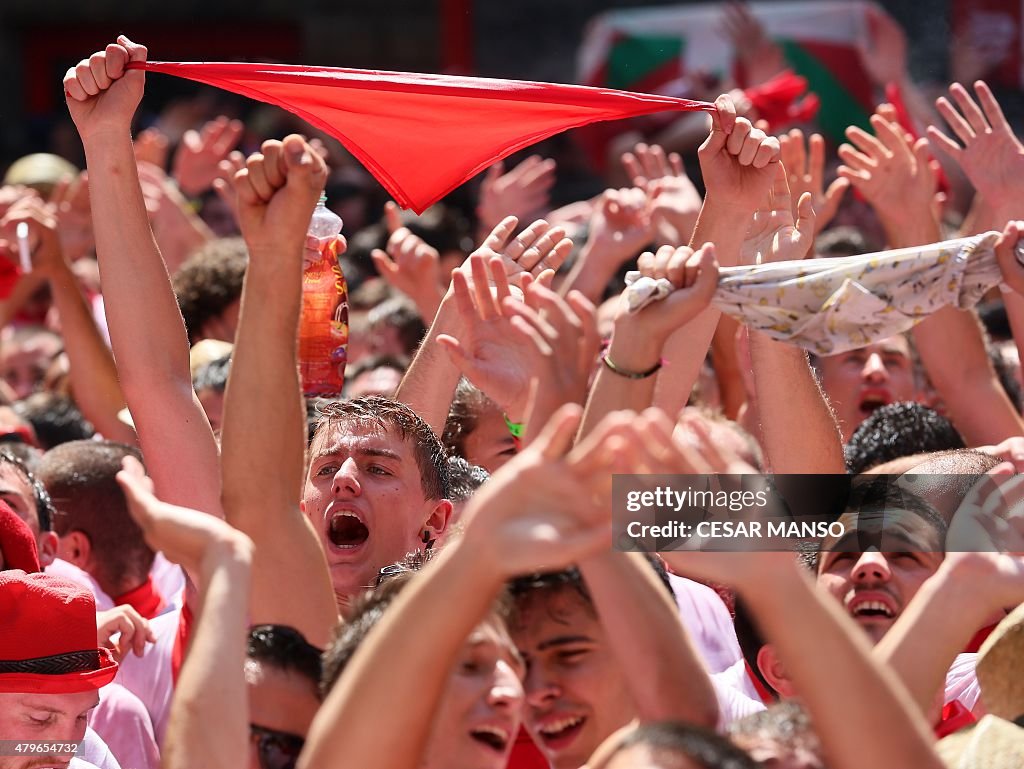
[
  {"x": 860, "y": 381},
  {"x": 281, "y": 700},
  {"x": 876, "y": 585},
  {"x": 16, "y": 491},
  {"x": 364, "y": 496},
  {"x": 490, "y": 445},
  {"x": 576, "y": 691},
  {"x": 31, "y": 717},
  {"x": 479, "y": 714},
  {"x": 23, "y": 365}
]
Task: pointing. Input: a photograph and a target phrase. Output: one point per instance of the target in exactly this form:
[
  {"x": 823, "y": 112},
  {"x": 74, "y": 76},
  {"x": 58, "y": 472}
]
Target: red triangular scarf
[{"x": 424, "y": 135}]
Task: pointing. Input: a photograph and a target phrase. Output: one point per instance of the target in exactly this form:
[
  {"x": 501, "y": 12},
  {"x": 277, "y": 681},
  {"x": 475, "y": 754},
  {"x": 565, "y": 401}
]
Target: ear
[
  {"x": 437, "y": 520},
  {"x": 75, "y": 548},
  {"x": 773, "y": 672},
  {"x": 48, "y": 544}
]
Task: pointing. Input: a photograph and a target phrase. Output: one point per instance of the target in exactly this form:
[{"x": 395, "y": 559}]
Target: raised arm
[
  {"x": 738, "y": 163},
  {"x": 264, "y": 432},
  {"x": 93, "y": 374},
  {"x": 898, "y": 179},
  {"x": 786, "y": 390},
  {"x": 536, "y": 512},
  {"x": 430, "y": 382},
  {"x": 146, "y": 330},
  {"x": 823, "y": 653},
  {"x": 211, "y": 688},
  {"x": 971, "y": 586}
]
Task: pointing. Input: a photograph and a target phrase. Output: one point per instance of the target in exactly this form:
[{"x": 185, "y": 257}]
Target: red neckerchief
[
  {"x": 525, "y": 753},
  {"x": 145, "y": 599},
  {"x": 762, "y": 691},
  {"x": 181, "y": 642},
  {"x": 979, "y": 638},
  {"x": 954, "y": 718},
  {"x": 420, "y": 135}
]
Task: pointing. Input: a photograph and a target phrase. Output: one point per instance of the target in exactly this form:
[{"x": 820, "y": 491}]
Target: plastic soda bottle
[{"x": 323, "y": 324}]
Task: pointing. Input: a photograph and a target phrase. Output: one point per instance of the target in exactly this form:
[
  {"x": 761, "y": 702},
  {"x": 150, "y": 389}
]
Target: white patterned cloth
[{"x": 833, "y": 305}]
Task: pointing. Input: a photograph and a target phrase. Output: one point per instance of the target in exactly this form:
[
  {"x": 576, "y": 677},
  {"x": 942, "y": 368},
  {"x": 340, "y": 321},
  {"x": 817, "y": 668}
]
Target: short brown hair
[
  {"x": 81, "y": 479},
  {"x": 431, "y": 458}
]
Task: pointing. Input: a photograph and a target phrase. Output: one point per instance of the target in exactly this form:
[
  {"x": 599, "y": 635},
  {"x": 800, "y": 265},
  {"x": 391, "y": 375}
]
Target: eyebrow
[
  {"x": 564, "y": 640},
  {"x": 841, "y": 546},
  {"x": 365, "y": 452}
]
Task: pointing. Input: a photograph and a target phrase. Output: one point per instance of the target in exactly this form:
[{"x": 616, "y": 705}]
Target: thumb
[
  {"x": 385, "y": 267},
  {"x": 392, "y": 217},
  {"x": 805, "y": 216},
  {"x": 833, "y": 197},
  {"x": 455, "y": 351},
  {"x": 302, "y": 165},
  {"x": 707, "y": 276},
  {"x": 556, "y": 438},
  {"x": 493, "y": 174}
]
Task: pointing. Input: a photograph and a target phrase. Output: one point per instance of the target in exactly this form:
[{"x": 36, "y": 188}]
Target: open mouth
[
  {"x": 557, "y": 733},
  {"x": 492, "y": 736},
  {"x": 870, "y": 404},
  {"x": 347, "y": 531},
  {"x": 873, "y": 610}
]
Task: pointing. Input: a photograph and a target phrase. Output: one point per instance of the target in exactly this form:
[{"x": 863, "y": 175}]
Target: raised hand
[
  {"x": 884, "y": 53},
  {"x": 184, "y": 536},
  {"x": 410, "y": 265},
  {"x": 522, "y": 192},
  {"x": 760, "y": 56},
  {"x": 276, "y": 192},
  {"x": 487, "y": 349},
  {"x": 102, "y": 95},
  {"x": 196, "y": 163},
  {"x": 694, "y": 275},
  {"x": 774, "y": 235},
  {"x": 151, "y": 146},
  {"x": 805, "y": 163},
  {"x": 1011, "y": 268},
  {"x": 44, "y": 240},
  {"x": 70, "y": 198},
  {"x": 562, "y": 336},
  {"x": 549, "y": 506},
  {"x": 991, "y": 156},
  {"x": 538, "y": 250},
  {"x": 896, "y": 176},
  {"x": 619, "y": 227},
  {"x": 648, "y": 163},
  {"x": 737, "y": 160}
]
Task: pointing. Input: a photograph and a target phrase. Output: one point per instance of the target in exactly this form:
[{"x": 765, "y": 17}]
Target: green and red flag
[{"x": 646, "y": 49}]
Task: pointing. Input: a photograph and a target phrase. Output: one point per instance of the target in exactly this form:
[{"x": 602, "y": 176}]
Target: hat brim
[{"x": 65, "y": 683}]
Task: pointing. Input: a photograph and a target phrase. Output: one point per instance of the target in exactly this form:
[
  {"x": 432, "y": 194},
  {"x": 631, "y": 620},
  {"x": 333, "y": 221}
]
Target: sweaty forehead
[{"x": 347, "y": 436}]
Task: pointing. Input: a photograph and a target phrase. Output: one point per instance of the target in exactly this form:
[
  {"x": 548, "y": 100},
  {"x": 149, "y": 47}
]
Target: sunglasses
[{"x": 276, "y": 750}]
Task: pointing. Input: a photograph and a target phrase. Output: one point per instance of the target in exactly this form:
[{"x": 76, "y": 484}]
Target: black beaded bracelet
[{"x": 630, "y": 374}]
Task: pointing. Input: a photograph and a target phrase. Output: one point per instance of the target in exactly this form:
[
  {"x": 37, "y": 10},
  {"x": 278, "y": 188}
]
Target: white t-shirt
[
  {"x": 736, "y": 695},
  {"x": 94, "y": 753},
  {"x": 123, "y": 722},
  {"x": 962, "y": 681},
  {"x": 149, "y": 677},
  {"x": 708, "y": 622}
]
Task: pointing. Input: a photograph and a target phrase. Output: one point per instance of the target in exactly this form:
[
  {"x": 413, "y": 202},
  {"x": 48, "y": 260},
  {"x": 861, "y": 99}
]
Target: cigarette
[{"x": 24, "y": 252}]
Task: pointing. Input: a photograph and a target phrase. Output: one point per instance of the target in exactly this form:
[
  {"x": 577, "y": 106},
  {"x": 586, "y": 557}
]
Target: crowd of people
[{"x": 201, "y": 567}]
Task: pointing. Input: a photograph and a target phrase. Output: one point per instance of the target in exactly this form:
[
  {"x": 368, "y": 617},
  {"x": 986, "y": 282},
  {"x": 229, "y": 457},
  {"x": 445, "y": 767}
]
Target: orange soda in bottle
[{"x": 323, "y": 324}]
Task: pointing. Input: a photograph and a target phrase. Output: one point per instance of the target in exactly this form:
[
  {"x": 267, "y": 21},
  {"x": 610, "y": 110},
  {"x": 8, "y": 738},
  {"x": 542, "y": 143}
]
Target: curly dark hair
[{"x": 209, "y": 281}]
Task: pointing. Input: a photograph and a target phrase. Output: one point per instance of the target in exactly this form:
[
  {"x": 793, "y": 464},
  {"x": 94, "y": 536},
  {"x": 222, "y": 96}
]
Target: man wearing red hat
[{"x": 50, "y": 670}]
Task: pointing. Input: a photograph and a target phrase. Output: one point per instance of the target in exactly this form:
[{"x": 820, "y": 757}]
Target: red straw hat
[
  {"x": 48, "y": 636},
  {"x": 17, "y": 545}
]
